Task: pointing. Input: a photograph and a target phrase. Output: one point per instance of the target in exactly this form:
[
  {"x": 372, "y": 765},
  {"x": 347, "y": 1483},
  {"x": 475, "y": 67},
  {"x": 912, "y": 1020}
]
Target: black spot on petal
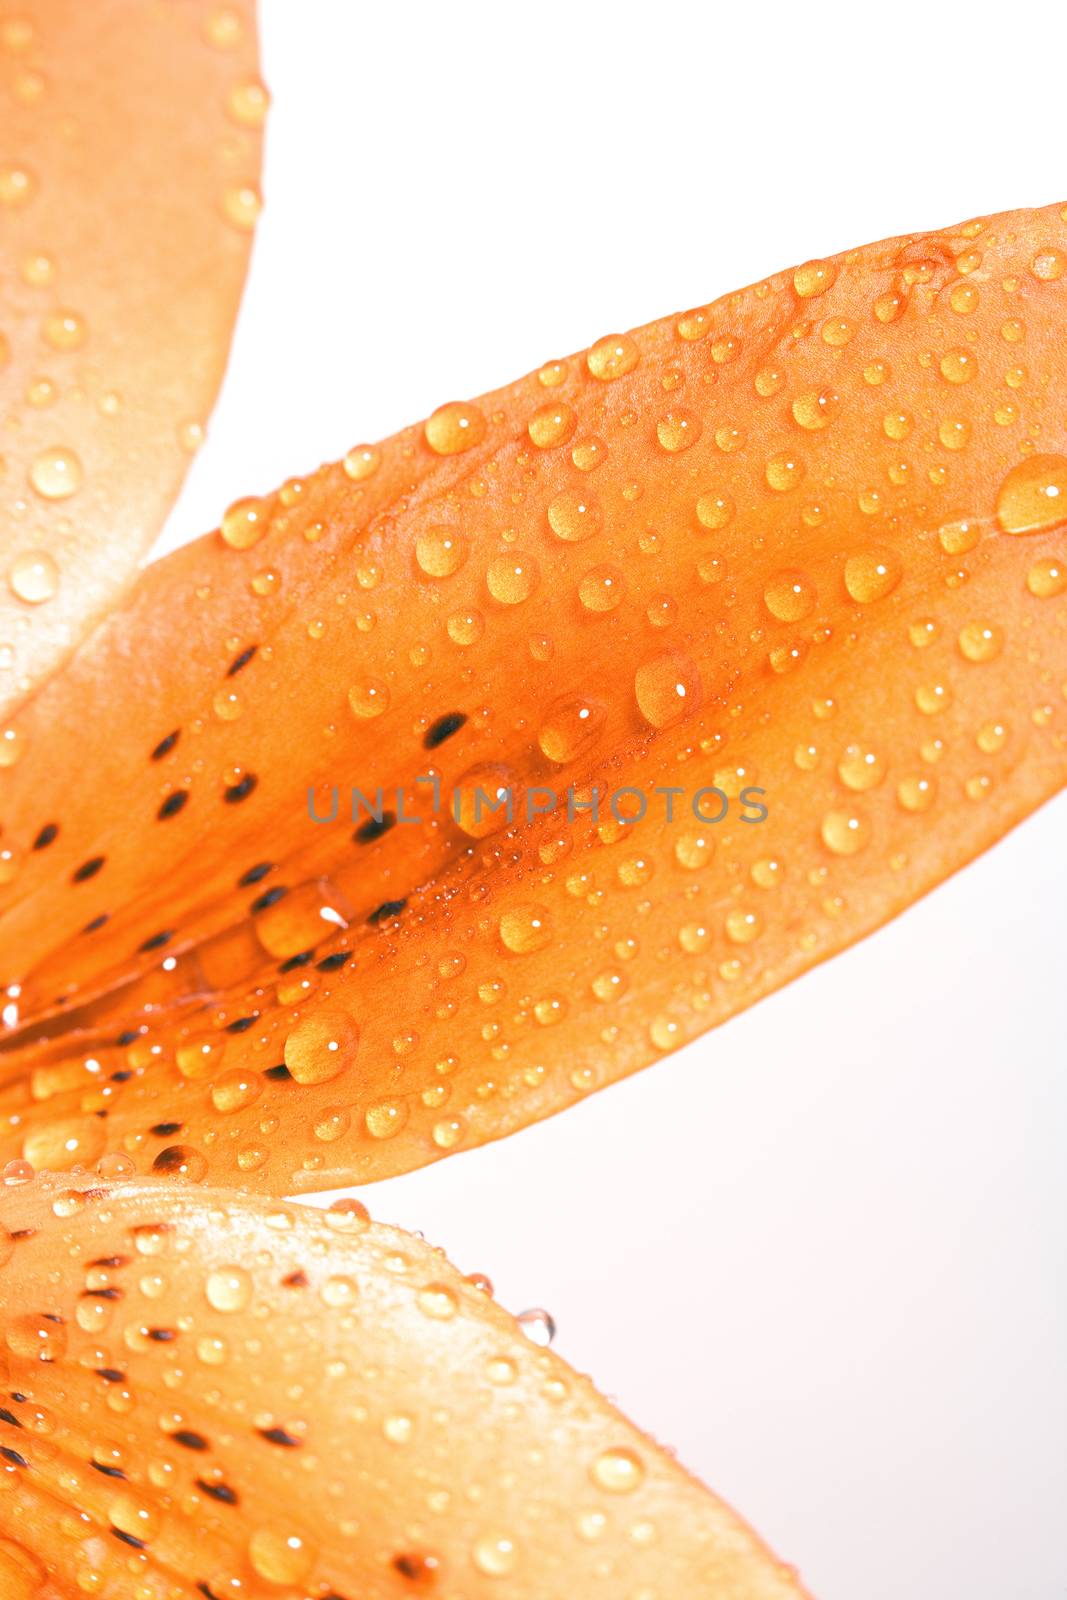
[
  {"x": 236, "y": 792},
  {"x": 270, "y": 897},
  {"x": 443, "y": 729},
  {"x": 241, "y": 661},
  {"x": 173, "y": 804},
  {"x": 373, "y": 829},
  {"x": 88, "y": 869},
  {"x": 281, "y": 1071},
  {"x": 108, "y": 1472},
  {"x": 9, "y": 1417},
  {"x": 96, "y": 924},
  {"x": 13, "y": 1456},
  {"x": 279, "y": 1436},
  {"x": 165, "y": 746},
  {"x": 110, "y": 1374},
  {"x": 386, "y": 911},
  {"x": 157, "y": 941},
  {"x": 242, "y": 1024},
  {"x": 48, "y": 833},
  {"x": 293, "y": 962},
  {"x": 163, "y": 1130},
  {"x": 254, "y": 874},
  {"x": 127, "y": 1538},
  {"x": 219, "y": 1491},
  {"x": 191, "y": 1440},
  {"x": 331, "y": 963},
  {"x": 162, "y": 1335}
]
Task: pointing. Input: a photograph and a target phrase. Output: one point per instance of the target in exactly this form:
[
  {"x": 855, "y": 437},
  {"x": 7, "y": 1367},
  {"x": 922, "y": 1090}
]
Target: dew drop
[
  {"x": 369, "y": 698},
  {"x": 667, "y": 689},
  {"x": 872, "y": 574},
  {"x": 455, "y": 427},
  {"x": 229, "y": 1289},
  {"x": 245, "y": 522},
  {"x": 612, "y": 357},
  {"x": 33, "y": 577},
  {"x": 601, "y": 589},
  {"x": 573, "y": 516},
  {"x": 320, "y": 1047},
  {"x": 512, "y": 579},
  {"x": 571, "y": 726},
  {"x": 552, "y": 425},
  {"x": 525, "y": 928},
  {"x": 618, "y": 1471},
  {"x": 56, "y": 473},
  {"x": 789, "y": 596},
  {"x": 1033, "y": 496},
  {"x": 845, "y": 832},
  {"x": 440, "y": 552}
]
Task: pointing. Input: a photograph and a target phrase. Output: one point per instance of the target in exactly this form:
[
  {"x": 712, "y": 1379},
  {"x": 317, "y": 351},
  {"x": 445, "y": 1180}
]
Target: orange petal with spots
[
  {"x": 129, "y": 169},
  {"x": 795, "y": 559},
  {"x": 206, "y": 1398}
]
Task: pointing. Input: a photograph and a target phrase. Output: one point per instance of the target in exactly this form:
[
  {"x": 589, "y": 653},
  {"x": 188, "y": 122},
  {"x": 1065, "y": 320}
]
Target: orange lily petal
[
  {"x": 129, "y": 165},
  {"x": 832, "y": 504},
  {"x": 207, "y": 1398}
]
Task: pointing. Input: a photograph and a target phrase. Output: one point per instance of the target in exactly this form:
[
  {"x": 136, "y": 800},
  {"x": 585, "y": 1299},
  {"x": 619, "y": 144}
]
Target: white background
[{"x": 820, "y": 1252}]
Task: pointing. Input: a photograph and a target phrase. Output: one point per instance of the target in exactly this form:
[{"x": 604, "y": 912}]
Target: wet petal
[
  {"x": 764, "y": 590},
  {"x": 212, "y": 1398},
  {"x": 128, "y": 191}
]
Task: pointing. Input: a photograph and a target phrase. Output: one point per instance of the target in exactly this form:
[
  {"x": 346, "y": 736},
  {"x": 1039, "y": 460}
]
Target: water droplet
[
  {"x": 525, "y": 928},
  {"x": 916, "y": 793},
  {"x": 784, "y": 472},
  {"x": 932, "y": 697},
  {"x": 362, "y": 462},
  {"x": 860, "y": 768},
  {"x": 677, "y": 431},
  {"x": 1033, "y": 496},
  {"x": 33, "y": 1337},
  {"x": 667, "y": 689},
  {"x": 34, "y": 576},
  {"x": 601, "y": 589},
  {"x": 320, "y": 1047},
  {"x": 64, "y": 1144},
  {"x": 465, "y": 628},
  {"x": 229, "y": 1289},
  {"x": 714, "y": 511},
  {"x": 538, "y": 1325},
  {"x": 814, "y": 410},
  {"x": 981, "y": 641},
  {"x": 958, "y": 366},
  {"x": 369, "y": 698},
  {"x": 618, "y": 1471},
  {"x": 1047, "y": 577},
  {"x": 455, "y": 427},
  {"x": 512, "y": 579},
  {"x": 872, "y": 574},
  {"x": 241, "y": 205},
  {"x": 574, "y": 516},
  {"x": 789, "y": 596},
  {"x": 845, "y": 832},
  {"x": 440, "y": 552},
  {"x": 236, "y": 1090},
  {"x": 386, "y": 1119},
  {"x": 612, "y": 357},
  {"x": 814, "y": 278},
  {"x": 245, "y": 522},
  {"x": 571, "y": 726},
  {"x": 1048, "y": 265},
  {"x": 280, "y": 1556},
  {"x": 248, "y": 103},
  {"x": 56, "y": 473},
  {"x": 552, "y": 425},
  {"x": 495, "y": 1554},
  {"x": 438, "y": 1301}
]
